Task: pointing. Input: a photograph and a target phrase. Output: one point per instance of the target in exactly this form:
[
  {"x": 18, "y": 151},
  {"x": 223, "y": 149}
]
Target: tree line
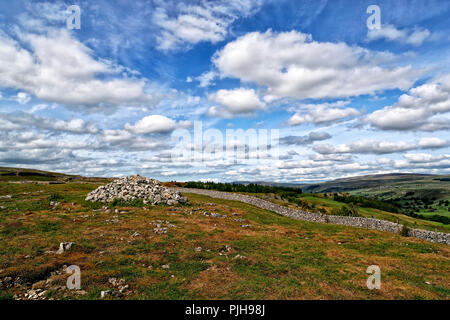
[{"x": 236, "y": 187}]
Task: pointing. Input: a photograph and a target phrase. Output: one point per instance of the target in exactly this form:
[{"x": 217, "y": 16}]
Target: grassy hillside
[
  {"x": 319, "y": 203},
  {"x": 369, "y": 181},
  {"x": 414, "y": 194},
  {"x": 404, "y": 208},
  {"x": 32, "y": 175},
  {"x": 20, "y": 174},
  {"x": 201, "y": 256}
]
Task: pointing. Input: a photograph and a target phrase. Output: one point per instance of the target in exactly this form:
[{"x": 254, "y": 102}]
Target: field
[
  {"x": 413, "y": 193},
  {"x": 247, "y": 254},
  {"x": 8, "y": 174},
  {"x": 402, "y": 207},
  {"x": 419, "y": 200},
  {"x": 319, "y": 203}
]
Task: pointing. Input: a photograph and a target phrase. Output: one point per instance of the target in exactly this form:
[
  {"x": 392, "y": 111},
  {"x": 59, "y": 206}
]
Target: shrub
[
  {"x": 55, "y": 197},
  {"x": 366, "y": 202},
  {"x": 404, "y": 231},
  {"x": 439, "y": 218},
  {"x": 347, "y": 210},
  {"x": 251, "y": 188}
]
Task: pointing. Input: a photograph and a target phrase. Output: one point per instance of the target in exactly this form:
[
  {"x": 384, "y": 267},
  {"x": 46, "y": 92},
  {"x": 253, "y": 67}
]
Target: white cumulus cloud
[
  {"x": 207, "y": 21},
  {"x": 322, "y": 113},
  {"x": 58, "y": 68},
  {"x": 418, "y": 109},
  {"x": 291, "y": 64},
  {"x": 236, "y": 101},
  {"x": 152, "y": 124},
  {"x": 380, "y": 147},
  {"x": 390, "y": 33}
]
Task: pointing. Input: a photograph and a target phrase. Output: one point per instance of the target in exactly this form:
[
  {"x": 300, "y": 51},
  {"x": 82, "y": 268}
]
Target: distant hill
[
  {"x": 357, "y": 182},
  {"x": 412, "y": 194},
  {"x": 368, "y": 181},
  {"x": 23, "y": 174}
]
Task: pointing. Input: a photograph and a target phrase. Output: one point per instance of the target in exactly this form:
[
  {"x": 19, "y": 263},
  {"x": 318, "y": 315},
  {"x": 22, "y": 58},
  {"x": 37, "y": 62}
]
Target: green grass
[
  {"x": 443, "y": 211},
  {"x": 283, "y": 258},
  {"x": 317, "y": 202},
  {"x": 399, "y": 188}
]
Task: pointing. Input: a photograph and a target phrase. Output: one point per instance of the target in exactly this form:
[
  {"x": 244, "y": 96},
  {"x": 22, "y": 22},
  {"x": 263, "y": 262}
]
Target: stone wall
[{"x": 367, "y": 223}]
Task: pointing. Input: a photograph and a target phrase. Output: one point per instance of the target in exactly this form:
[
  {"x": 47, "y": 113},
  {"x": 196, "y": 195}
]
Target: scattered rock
[
  {"x": 119, "y": 284},
  {"x": 194, "y": 210},
  {"x": 81, "y": 292},
  {"x": 105, "y": 293},
  {"x": 226, "y": 248},
  {"x": 160, "y": 230},
  {"x": 165, "y": 266},
  {"x": 114, "y": 220},
  {"x": 65, "y": 246},
  {"x": 161, "y": 227},
  {"x": 7, "y": 282},
  {"x": 39, "y": 285},
  {"x": 246, "y": 226},
  {"x": 37, "y": 290},
  {"x": 198, "y": 249},
  {"x": 37, "y": 294},
  {"x": 217, "y": 215},
  {"x": 136, "y": 188}
]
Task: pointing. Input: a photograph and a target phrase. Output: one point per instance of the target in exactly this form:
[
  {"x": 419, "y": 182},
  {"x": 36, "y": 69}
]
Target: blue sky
[{"x": 125, "y": 93}]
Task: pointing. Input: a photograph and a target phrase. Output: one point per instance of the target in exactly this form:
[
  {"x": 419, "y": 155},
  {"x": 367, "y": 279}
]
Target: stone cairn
[{"x": 130, "y": 188}]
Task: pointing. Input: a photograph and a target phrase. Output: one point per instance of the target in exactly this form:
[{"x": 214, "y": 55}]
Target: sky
[{"x": 251, "y": 90}]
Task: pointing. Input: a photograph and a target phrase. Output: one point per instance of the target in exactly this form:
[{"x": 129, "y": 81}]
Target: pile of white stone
[{"x": 130, "y": 188}]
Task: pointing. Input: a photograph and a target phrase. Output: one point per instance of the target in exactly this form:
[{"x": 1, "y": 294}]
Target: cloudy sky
[{"x": 119, "y": 95}]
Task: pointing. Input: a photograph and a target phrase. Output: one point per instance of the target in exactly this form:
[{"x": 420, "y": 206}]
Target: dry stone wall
[{"x": 367, "y": 223}]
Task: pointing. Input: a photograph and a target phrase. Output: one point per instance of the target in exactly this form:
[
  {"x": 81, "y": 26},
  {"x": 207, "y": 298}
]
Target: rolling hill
[
  {"x": 413, "y": 194},
  {"x": 209, "y": 249}
]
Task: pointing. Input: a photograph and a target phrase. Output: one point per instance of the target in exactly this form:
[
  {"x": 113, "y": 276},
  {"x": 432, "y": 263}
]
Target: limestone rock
[
  {"x": 65, "y": 246},
  {"x": 137, "y": 188}
]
